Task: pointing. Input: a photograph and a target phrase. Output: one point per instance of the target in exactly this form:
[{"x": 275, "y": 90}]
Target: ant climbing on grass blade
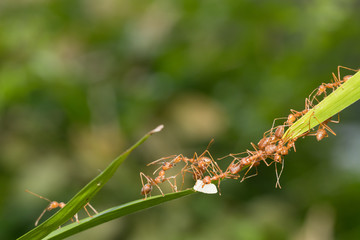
[{"x": 55, "y": 204}]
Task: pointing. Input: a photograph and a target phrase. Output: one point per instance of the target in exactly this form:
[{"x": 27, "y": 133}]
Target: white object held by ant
[{"x": 200, "y": 186}]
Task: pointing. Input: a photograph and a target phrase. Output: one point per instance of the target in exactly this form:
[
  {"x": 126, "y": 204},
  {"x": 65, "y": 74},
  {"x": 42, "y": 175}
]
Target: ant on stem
[
  {"x": 147, "y": 188},
  {"x": 55, "y": 204},
  {"x": 335, "y": 82},
  {"x": 197, "y": 165}
]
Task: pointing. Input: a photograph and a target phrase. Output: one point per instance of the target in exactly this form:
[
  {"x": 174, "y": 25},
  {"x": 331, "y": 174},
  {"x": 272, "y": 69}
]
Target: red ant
[
  {"x": 294, "y": 115},
  {"x": 217, "y": 174},
  {"x": 336, "y": 82},
  {"x": 55, "y": 204},
  {"x": 147, "y": 188},
  {"x": 273, "y": 137},
  {"x": 198, "y": 164},
  {"x": 321, "y": 132},
  {"x": 252, "y": 160}
]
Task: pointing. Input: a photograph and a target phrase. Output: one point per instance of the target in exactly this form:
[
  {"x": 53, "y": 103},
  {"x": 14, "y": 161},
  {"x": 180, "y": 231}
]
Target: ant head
[
  {"x": 207, "y": 180},
  {"x": 277, "y": 158},
  {"x": 166, "y": 166},
  {"x": 322, "y": 89},
  {"x": 291, "y": 119},
  {"x": 347, "y": 77}
]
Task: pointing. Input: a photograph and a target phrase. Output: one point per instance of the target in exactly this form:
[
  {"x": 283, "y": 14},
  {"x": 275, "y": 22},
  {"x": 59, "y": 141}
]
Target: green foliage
[
  {"x": 114, "y": 212},
  {"x": 85, "y": 195}
]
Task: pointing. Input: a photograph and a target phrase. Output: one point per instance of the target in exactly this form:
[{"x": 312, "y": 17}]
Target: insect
[
  {"x": 147, "y": 187},
  {"x": 294, "y": 115},
  {"x": 335, "y": 82},
  {"x": 55, "y": 204},
  {"x": 321, "y": 132},
  {"x": 197, "y": 165}
]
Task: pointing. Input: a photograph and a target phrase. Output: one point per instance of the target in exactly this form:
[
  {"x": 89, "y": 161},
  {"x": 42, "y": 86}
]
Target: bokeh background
[{"x": 80, "y": 81}]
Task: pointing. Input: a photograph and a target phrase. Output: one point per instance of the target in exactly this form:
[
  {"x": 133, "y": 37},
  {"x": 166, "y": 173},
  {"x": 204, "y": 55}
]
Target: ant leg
[
  {"x": 157, "y": 169},
  {"x": 88, "y": 204},
  {"x": 92, "y": 208},
  {"x": 76, "y": 216},
  {"x": 329, "y": 129},
  {"x": 248, "y": 171},
  {"x": 206, "y": 151},
  {"x": 161, "y": 159},
  {"x": 87, "y": 211},
  {"x": 273, "y": 124},
  {"x": 215, "y": 167},
  {"x": 219, "y": 180},
  {"x": 308, "y": 103},
  {"x": 339, "y": 67},
  {"x": 256, "y": 173},
  {"x": 254, "y": 146},
  {"x": 183, "y": 175},
  {"x": 315, "y": 95},
  {"x": 335, "y": 121},
  {"x": 279, "y": 175},
  {"x": 42, "y": 214},
  {"x": 324, "y": 125},
  {"x": 294, "y": 111},
  {"x": 173, "y": 186},
  {"x": 159, "y": 189}
]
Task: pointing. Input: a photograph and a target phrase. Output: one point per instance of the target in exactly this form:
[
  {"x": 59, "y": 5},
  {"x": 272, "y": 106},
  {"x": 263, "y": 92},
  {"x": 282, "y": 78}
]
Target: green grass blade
[
  {"x": 342, "y": 97},
  {"x": 113, "y": 213},
  {"x": 83, "y": 196}
]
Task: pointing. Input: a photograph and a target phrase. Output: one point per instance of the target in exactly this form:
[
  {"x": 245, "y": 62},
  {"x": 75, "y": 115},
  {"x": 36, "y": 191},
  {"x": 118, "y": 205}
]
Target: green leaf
[
  {"x": 342, "y": 97},
  {"x": 83, "y": 196},
  {"x": 113, "y": 213}
]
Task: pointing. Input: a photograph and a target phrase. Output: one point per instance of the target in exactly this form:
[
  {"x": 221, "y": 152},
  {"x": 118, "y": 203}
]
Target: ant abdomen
[{"x": 146, "y": 189}]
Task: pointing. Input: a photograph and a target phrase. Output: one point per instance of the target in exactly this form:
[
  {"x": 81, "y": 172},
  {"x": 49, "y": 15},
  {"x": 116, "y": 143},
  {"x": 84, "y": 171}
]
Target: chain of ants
[
  {"x": 203, "y": 167},
  {"x": 270, "y": 149}
]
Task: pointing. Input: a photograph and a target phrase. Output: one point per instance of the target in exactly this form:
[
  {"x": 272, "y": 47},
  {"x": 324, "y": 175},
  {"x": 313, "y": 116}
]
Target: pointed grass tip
[{"x": 157, "y": 129}]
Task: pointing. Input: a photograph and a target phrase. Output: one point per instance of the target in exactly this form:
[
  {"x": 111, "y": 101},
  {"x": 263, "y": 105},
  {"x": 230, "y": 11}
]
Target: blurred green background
[{"x": 80, "y": 81}]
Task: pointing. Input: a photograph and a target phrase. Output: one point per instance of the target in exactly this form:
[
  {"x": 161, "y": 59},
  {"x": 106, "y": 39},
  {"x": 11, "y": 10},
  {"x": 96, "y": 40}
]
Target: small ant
[
  {"x": 218, "y": 175},
  {"x": 336, "y": 82},
  {"x": 321, "y": 132},
  {"x": 273, "y": 137},
  {"x": 197, "y": 165},
  {"x": 294, "y": 115},
  {"x": 147, "y": 188},
  {"x": 55, "y": 204}
]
